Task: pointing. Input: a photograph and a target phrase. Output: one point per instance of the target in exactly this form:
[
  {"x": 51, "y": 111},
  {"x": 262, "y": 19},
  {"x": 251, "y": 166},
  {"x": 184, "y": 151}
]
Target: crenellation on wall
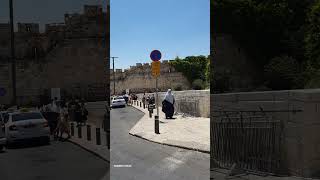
[{"x": 139, "y": 78}]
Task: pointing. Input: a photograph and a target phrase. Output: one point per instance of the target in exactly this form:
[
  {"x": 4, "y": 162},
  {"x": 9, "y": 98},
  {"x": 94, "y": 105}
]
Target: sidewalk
[
  {"x": 185, "y": 132},
  {"x": 99, "y": 150}
]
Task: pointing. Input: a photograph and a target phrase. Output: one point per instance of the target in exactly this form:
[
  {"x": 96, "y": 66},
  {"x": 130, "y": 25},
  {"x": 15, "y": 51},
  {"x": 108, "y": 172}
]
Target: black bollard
[
  {"x": 88, "y": 132},
  {"x": 108, "y": 138},
  {"x": 140, "y": 104},
  {"x": 79, "y": 132},
  {"x": 72, "y": 129},
  {"x": 98, "y": 137},
  {"x": 156, "y": 124}
]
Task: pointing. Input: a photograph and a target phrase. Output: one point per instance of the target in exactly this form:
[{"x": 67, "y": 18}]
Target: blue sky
[{"x": 175, "y": 27}]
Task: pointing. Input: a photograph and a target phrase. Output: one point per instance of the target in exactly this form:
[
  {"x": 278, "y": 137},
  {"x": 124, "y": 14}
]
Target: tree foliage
[
  {"x": 193, "y": 67},
  {"x": 267, "y": 29}
]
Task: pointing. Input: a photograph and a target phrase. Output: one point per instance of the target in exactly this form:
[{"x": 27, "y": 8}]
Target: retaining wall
[
  {"x": 192, "y": 102},
  {"x": 300, "y": 154}
]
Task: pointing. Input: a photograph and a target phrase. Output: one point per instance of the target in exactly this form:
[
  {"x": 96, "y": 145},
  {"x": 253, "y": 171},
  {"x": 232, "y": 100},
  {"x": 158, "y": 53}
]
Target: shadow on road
[{"x": 28, "y": 144}]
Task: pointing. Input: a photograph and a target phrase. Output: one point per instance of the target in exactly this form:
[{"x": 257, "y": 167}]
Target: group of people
[
  {"x": 59, "y": 113},
  {"x": 167, "y": 103}
]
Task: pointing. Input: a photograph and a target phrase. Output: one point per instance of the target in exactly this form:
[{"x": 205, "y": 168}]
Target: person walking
[
  {"x": 77, "y": 113},
  {"x": 63, "y": 123},
  {"x": 84, "y": 114},
  {"x": 168, "y": 104},
  {"x": 144, "y": 100}
]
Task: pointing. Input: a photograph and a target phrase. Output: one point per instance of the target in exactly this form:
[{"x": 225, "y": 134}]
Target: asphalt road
[
  {"x": 133, "y": 158},
  {"x": 57, "y": 161}
]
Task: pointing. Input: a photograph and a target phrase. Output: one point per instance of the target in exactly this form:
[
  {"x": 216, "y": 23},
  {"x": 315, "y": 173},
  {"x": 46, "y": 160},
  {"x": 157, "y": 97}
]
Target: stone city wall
[
  {"x": 139, "y": 79},
  {"x": 75, "y": 62},
  {"x": 300, "y": 151},
  {"x": 192, "y": 102}
]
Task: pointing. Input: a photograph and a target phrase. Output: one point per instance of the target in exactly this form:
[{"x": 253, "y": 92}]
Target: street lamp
[
  {"x": 114, "y": 77},
  {"x": 13, "y": 61}
]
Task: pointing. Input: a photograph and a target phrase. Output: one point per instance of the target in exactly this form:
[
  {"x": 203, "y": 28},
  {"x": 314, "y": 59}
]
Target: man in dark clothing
[
  {"x": 77, "y": 113},
  {"x": 84, "y": 114}
]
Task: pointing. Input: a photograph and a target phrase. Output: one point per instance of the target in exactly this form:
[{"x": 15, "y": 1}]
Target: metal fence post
[
  {"x": 98, "y": 137},
  {"x": 79, "y": 132},
  {"x": 72, "y": 129},
  {"x": 88, "y": 132}
]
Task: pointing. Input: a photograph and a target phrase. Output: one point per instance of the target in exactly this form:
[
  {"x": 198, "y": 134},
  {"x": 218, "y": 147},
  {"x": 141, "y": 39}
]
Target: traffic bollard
[
  {"x": 79, "y": 132},
  {"x": 88, "y": 132},
  {"x": 72, "y": 129},
  {"x": 98, "y": 137},
  {"x": 108, "y": 139},
  {"x": 140, "y": 104},
  {"x": 156, "y": 124}
]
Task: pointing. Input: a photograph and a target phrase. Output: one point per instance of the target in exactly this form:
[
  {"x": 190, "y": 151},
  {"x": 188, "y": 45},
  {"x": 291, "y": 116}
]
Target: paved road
[
  {"x": 150, "y": 160},
  {"x": 59, "y": 160}
]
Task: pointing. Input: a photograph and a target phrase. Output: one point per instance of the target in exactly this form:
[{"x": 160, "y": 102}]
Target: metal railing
[{"x": 251, "y": 139}]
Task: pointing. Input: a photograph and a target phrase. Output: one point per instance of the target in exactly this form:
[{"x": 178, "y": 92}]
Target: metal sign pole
[
  {"x": 157, "y": 96},
  {"x": 156, "y": 118}
]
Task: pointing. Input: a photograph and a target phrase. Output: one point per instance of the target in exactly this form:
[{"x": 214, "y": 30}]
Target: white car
[
  {"x": 118, "y": 101},
  {"x": 3, "y": 139},
  {"x": 26, "y": 125}
]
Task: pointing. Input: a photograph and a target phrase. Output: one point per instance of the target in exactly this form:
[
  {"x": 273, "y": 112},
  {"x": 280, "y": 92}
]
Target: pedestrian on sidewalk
[
  {"x": 168, "y": 104},
  {"x": 77, "y": 113},
  {"x": 84, "y": 114},
  {"x": 152, "y": 99},
  {"x": 144, "y": 100},
  {"x": 63, "y": 123}
]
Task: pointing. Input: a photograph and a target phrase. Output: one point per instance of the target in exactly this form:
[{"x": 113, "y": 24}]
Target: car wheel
[{"x": 1, "y": 148}]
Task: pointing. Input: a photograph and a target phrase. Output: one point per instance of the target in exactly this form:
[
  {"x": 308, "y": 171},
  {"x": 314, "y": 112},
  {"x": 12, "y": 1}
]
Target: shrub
[
  {"x": 178, "y": 88},
  {"x": 282, "y": 73},
  {"x": 198, "y": 84}
]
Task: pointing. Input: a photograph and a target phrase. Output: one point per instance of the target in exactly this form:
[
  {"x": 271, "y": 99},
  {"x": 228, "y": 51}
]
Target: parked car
[
  {"x": 24, "y": 125},
  {"x": 118, "y": 101}
]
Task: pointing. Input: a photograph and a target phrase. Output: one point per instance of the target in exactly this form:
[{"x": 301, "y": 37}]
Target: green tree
[{"x": 193, "y": 67}]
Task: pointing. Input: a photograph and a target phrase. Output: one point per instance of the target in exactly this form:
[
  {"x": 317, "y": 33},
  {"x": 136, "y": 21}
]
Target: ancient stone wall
[
  {"x": 75, "y": 63},
  {"x": 231, "y": 60},
  {"x": 139, "y": 79}
]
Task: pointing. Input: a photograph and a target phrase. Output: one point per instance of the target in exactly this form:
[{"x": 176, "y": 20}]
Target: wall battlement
[{"x": 139, "y": 78}]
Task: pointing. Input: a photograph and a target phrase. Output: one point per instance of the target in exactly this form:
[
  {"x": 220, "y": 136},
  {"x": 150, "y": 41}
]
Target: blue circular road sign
[
  {"x": 155, "y": 55},
  {"x": 3, "y": 92}
]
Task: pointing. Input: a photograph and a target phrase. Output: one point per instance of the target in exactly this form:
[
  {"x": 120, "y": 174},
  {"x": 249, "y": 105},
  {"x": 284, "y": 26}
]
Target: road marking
[{"x": 168, "y": 165}]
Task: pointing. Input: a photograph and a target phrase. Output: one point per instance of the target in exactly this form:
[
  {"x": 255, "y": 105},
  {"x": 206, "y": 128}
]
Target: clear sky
[
  {"x": 43, "y": 11},
  {"x": 175, "y": 27}
]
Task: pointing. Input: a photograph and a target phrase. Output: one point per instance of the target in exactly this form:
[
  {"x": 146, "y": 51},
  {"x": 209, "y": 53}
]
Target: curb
[
  {"x": 90, "y": 151},
  {"x": 172, "y": 145}
]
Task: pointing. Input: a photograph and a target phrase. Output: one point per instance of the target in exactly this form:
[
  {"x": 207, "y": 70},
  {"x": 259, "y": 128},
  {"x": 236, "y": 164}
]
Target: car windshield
[
  {"x": 117, "y": 98},
  {"x": 26, "y": 116}
]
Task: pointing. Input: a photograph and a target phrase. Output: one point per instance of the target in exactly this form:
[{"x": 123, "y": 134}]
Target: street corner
[{"x": 181, "y": 131}]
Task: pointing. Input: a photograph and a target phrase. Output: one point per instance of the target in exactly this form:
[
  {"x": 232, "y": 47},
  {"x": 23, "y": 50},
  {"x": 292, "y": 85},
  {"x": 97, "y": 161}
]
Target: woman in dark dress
[{"x": 168, "y": 104}]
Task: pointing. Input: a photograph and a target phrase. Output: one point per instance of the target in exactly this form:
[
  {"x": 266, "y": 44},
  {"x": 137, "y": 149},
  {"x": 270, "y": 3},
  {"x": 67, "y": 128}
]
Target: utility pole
[
  {"x": 13, "y": 61},
  {"x": 114, "y": 76}
]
